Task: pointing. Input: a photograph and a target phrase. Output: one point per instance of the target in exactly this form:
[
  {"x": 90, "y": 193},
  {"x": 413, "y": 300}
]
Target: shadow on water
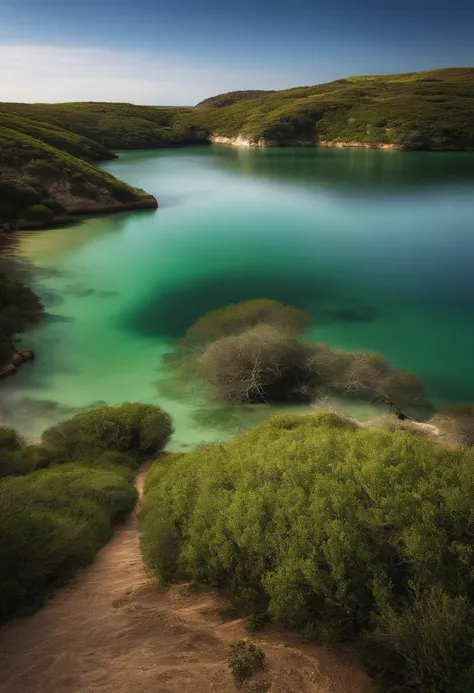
[
  {"x": 171, "y": 312},
  {"x": 352, "y": 171}
]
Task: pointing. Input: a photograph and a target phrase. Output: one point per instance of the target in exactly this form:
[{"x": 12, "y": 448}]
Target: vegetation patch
[
  {"x": 245, "y": 660},
  {"x": 343, "y": 532},
  {"x": 60, "y": 500},
  {"x": 19, "y": 309}
]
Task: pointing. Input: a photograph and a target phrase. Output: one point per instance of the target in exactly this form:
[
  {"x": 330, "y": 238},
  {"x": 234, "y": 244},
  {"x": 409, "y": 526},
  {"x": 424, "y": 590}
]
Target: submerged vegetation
[
  {"x": 345, "y": 533},
  {"x": 250, "y": 352},
  {"x": 60, "y": 500}
]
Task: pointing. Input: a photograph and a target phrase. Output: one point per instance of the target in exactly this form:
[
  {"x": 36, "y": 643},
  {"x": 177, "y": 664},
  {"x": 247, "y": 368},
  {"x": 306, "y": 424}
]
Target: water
[{"x": 378, "y": 246}]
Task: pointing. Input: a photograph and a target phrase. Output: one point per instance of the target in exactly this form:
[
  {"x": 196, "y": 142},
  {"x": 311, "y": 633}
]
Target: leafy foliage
[
  {"x": 51, "y": 522},
  {"x": 245, "y": 659},
  {"x": 238, "y": 317},
  {"x": 133, "y": 428},
  {"x": 59, "y": 500},
  {"x": 32, "y": 173},
  {"x": 340, "y": 531}
]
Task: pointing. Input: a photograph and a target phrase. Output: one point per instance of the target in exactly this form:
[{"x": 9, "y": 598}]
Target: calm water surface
[{"x": 378, "y": 246}]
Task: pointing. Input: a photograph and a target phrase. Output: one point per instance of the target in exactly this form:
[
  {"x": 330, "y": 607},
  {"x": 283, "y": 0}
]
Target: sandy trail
[{"x": 112, "y": 630}]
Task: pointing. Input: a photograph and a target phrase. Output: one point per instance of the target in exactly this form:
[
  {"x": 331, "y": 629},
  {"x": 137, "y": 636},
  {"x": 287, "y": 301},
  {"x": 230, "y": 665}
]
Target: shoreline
[
  {"x": 149, "y": 202},
  {"x": 241, "y": 141}
]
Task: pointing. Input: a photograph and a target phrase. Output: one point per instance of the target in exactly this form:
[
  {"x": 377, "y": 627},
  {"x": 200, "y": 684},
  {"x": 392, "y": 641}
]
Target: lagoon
[{"x": 378, "y": 246}]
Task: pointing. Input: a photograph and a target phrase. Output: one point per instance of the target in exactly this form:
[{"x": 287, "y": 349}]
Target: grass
[{"x": 433, "y": 109}]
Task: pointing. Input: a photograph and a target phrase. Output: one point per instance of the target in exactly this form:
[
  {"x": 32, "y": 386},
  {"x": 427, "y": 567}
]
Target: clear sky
[{"x": 181, "y": 51}]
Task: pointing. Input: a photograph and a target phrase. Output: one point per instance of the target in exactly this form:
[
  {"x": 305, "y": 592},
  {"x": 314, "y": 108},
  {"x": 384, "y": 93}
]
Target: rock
[
  {"x": 7, "y": 369},
  {"x": 16, "y": 360},
  {"x": 27, "y": 355}
]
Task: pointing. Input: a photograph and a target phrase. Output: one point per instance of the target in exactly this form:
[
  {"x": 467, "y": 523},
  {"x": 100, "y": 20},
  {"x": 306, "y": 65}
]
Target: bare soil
[{"x": 112, "y": 630}]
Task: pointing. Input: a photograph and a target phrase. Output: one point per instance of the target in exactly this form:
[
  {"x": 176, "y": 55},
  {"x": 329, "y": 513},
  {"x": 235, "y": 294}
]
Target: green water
[{"x": 378, "y": 246}]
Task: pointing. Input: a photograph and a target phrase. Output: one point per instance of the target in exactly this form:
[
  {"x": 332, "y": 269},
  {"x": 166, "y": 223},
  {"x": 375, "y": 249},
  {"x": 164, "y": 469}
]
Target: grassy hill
[
  {"x": 111, "y": 125},
  {"x": 419, "y": 110},
  {"x": 39, "y": 182},
  {"x": 232, "y": 97},
  {"x": 45, "y": 148}
]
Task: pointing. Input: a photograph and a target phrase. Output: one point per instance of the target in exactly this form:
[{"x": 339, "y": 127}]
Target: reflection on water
[{"x": 377, "y": 246}]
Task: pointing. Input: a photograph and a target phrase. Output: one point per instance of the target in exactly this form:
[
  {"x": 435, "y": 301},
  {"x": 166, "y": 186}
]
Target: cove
[{"x": 379, "y": 246}]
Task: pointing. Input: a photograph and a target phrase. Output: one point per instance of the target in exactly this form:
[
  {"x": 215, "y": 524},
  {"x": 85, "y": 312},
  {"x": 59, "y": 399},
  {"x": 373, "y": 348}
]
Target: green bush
[
  {"x": 39, "y": 213},
  {"x": 427, "y": 644},
  {"x": 53, "y": 521},
  {"x": 245, "y": 660},
  {"x": 55, "y": 206},
  {"x": 136, "y": 429},
  {"x": 238, "y": 317},
  {"x": 324, "y": 525}
]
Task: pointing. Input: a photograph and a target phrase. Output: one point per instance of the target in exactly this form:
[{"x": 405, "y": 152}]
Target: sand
[{"x": 113, "y": 630}]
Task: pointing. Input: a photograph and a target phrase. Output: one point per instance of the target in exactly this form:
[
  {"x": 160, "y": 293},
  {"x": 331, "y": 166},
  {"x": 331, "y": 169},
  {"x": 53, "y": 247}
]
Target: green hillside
[
  {"x": 232, "y": 97},
  {"x": 45, "y": 147},
  {"x": 112, "y": 125},
  {"x": 39, "y": 182},
  {"x": 422, "y": 110}
]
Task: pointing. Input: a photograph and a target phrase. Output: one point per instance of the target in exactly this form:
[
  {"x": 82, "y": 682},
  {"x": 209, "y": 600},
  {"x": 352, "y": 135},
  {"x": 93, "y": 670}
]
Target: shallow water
[{"x": 378, "y": 246}]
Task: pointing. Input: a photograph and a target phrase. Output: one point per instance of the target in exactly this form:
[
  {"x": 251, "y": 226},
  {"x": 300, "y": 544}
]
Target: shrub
[
  {"x": 239, "y": 317},
  {"x": 266, "y": 362},
  {"x": 39, "y": 213},
  {"x": 51, "y": 522},
  {"x": 245, "y": 660},
  {"x": 428, "y": 644},
  {"x": 321, "y": 524},
  {"x": 131, "y": 428},
  {"x": 55, "y": 206}
]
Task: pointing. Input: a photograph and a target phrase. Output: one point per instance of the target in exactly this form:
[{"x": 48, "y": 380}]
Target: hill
[
  {"x": 418, "y": 110},
  {"x": 111, "y": 125},
  {"x": 39, "y": 183},
  {"x": 231, "y": 97},
  {"x": 45, "y": 148}
]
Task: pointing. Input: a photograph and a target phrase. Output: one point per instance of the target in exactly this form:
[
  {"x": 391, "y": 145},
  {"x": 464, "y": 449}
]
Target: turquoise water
[{"x": 379, "y": 246}]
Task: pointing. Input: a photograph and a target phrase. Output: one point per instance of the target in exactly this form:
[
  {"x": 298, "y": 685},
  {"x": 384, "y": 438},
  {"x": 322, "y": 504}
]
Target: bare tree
[
  {"x": 261, "y": 364},
  {"x": 456, "y": 425}
]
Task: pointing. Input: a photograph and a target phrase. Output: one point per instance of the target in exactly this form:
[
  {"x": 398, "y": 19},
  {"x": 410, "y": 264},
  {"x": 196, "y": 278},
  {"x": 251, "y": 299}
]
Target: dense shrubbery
[
  {"x": 59, "y": 500},
  {"x": 238, "y": 317},
  {"x": 345, "y": 533},
  {"x": 415, "y": 110},
  {"x": 32, "y": 172},
  {"x": 133, "y": 428},
  {"x": 51, "y": 522}
]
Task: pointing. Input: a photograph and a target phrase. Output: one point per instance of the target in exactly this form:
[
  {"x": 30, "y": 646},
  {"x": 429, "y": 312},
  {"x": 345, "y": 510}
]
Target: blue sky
[{"x": 151, "y": 51}]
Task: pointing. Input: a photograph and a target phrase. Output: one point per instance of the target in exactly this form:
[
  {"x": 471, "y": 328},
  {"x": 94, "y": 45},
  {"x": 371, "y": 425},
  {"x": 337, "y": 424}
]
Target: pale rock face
[
  {"x": 366, "y": 145},
  {"x": 239, "y": 141}
]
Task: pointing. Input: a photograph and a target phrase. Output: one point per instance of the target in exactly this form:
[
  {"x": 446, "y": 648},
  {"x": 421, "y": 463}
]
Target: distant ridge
[{"x": 45, "y": 149}]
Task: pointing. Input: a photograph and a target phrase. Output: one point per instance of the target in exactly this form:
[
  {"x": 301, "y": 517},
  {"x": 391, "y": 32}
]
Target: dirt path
[{"x": 112, "y": 631}]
